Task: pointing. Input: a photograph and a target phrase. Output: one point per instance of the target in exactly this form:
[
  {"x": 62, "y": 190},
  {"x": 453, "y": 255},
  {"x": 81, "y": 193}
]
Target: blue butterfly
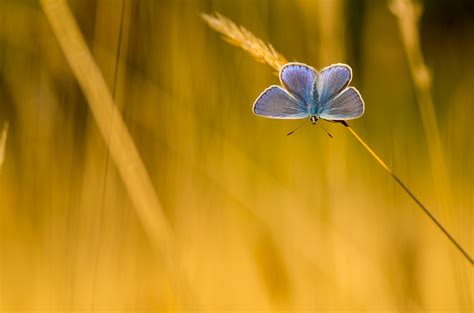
[{"x": 307, "y": 93}]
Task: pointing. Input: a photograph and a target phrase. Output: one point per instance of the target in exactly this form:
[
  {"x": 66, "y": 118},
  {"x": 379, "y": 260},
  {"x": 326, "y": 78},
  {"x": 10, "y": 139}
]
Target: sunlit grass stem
[
  {"x": 241, "y": 37},
  {"x": 408, "y": 191},
  {"x": 3, "y": 144}
]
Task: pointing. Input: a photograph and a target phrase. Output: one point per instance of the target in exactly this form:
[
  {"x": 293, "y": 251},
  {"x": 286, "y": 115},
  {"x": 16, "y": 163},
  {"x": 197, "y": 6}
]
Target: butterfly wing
[
  {"x": 275, "y": 102},
  {"x": 298, "y": 79},
  {"x": 332, "y": 81},
  {"x": 346, "y": 106}
]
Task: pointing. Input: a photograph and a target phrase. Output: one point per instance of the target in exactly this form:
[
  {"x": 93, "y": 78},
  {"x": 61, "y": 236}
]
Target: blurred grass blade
[
  {"x": 114, "y": 131},
  {"x": 408, "y": 14},
  {"x": 3, "y": 144}
]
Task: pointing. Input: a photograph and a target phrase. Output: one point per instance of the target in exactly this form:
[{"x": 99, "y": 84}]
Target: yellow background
[{"x": 260, "y": 221}]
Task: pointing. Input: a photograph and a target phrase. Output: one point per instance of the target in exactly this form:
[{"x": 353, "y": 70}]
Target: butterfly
[{"x": 307, "y": 93}]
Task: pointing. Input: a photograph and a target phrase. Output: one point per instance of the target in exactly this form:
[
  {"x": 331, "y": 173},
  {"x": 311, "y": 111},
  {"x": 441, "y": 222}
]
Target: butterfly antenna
[
  {"x": 325, "y": 130},
  {"x": 299, "y": 126}
]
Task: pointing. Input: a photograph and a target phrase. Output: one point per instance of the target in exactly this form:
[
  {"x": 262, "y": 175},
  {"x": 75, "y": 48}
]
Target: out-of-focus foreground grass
[{"x": 260, "y": 221}]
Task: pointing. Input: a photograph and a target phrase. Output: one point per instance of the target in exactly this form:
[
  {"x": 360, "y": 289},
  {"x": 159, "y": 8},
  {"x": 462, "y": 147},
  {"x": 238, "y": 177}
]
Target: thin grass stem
[
  {"x": 3, "y": 144},
  {"x": 409, "y": 192}
]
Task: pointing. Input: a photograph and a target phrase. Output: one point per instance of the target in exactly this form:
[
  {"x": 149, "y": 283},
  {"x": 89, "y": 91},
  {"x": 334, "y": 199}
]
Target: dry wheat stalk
[{"x": 239, "y": 36}]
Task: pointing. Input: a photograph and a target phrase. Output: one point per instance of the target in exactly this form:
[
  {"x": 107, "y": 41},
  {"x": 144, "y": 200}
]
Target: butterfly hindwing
[
  {"x": 298, "y": 79},
  {"x": 346, "y": 106},
  {"x": 275, "y": 102}
]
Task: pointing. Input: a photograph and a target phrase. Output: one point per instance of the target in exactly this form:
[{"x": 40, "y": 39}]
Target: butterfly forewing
[
  {"x": 298, "y": 79},
  {"x": 332, "y": 81},
  {"x": 347, "y": 105},
  {"x": 275, "y": 102}
]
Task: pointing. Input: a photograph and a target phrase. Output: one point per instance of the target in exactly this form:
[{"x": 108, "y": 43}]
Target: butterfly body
[{"x": 307, "y": 93}]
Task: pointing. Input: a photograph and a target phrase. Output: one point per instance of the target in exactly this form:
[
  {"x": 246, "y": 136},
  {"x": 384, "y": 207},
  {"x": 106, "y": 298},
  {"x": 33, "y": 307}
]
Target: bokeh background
[{"x": 260, "y": 221}]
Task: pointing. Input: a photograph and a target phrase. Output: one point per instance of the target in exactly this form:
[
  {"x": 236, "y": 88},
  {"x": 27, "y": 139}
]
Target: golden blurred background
[{"x": 255, "y": 220}]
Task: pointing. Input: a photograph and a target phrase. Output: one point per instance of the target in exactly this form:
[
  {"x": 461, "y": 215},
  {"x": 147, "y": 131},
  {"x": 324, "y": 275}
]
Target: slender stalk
[
  {"x": 408, "y": 191},
  {"x": 100, "y": 32},
  {"x": 3, "y": 144}
]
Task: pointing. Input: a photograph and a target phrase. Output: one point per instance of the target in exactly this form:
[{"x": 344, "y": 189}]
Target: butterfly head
[{"x": 313, "y": 119}]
